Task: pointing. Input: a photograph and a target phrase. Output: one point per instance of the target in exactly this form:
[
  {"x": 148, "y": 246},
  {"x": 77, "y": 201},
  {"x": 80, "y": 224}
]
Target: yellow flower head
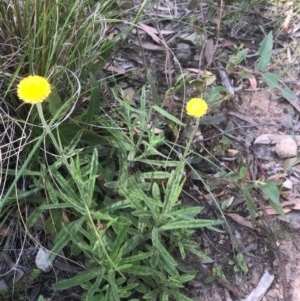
[
  {"x": 33, "y": 89},
  {"x": 196, "y": 107}
]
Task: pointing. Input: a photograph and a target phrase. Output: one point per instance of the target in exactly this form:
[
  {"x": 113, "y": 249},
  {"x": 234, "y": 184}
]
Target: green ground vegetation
[{"x": 100, "y": 171}]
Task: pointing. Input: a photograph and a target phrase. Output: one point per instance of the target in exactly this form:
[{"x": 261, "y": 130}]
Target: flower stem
[
  {"x": 192, "y": 136},
  {"x": 47, "y": 128}
]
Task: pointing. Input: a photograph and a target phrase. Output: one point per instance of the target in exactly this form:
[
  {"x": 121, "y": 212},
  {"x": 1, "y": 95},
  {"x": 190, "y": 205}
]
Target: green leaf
[
  {"x": 113, "y": 288},
  {"x": 187, "y": 212},
  {"x": 121, "y": 237},
  {"x": 271, "y": 192},
  {"x": 154, "y": 237},
  {"x": 33, "y": 217},
  {"x": 169, "y": 264},
  {"x": 77, "y": 280},
  {"x": 134, "y": 258},
  {"x": 139, "y": 270},
  {"x": 174, "y": 187},
  {"x": 154, "y": 258},
  {"x": 167, "y": 115},
  {"x": 265, "y": 52},
  {"x": 164, "y": 296},
  {"x": 154, "y": 175},
  {"x": 54, "y": 102},
  {"x": 94, "y": 103},
  {"x": 249, "y": 201},
  {"x": 187, "y": 224},
  {"x": 288, "y": 94},
  {"x": 186, "y": 277},
  {"x": 163, "y": 163},
  {"x": 179, "y": 296},
  {"x": 271, "y": 80}
]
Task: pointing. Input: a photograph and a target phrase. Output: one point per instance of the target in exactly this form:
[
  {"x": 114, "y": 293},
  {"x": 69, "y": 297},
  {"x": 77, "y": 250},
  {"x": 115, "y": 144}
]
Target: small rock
[
  {"x": 287, "y": 184},
  {"x": 183, "y": 52},
  {"x": 286, "y": 148},
  {"x": 44, "y": 260},
  {"x": 232, "y": 152}
]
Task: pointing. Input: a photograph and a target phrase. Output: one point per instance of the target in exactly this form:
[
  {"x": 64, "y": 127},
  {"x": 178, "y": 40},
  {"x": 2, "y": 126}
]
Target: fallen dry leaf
[
  {"x": 146, "y": 45},
  {"x": 253, "y": 83},
  {"x": 287, "y": 23},
  {"x": 287, "y": 207},
  {"x": 241, "y": 220},
  {"x": 5, "y": 232},
  {"x": 209, "y": 51},
  {"x": 153, "y": 32}
]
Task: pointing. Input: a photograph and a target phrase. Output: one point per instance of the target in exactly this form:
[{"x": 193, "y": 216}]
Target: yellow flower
[
  {"x": 33, "y": 89},
  {"x": 196, "y": 107}
]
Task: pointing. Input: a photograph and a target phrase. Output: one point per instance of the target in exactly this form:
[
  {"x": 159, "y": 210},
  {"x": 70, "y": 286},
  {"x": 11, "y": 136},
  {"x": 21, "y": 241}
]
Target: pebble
[
  {"x": 287, "y": 184},
  {"x": 183, "y": 52},
  {"x": 286, "y": 148},
  {"x": 43, "y": 260}
]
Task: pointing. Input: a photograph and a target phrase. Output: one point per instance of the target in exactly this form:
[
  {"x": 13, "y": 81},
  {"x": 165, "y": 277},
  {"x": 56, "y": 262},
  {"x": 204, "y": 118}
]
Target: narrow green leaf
[
  {"x": 249, "y": 201},
  {"x": 154, "y": 175},
  {"x": 56, "y": 206},
  {"x": 121, "y": 237},
  {"x": 154, "y": 237},
  {"x": 139, "y": 270},
  {"x": 169, "y": 264},
  {"x": 271, "y": 80},
  {"x": 61, "y": 240},
  {"x": 139, "y": 257},
  {"x": 113, "y": 288},
  {"x": 174, "y": 187},
  {"x": 179, "y": 296},
  {"x": 167, "y": 115},
  {"x": 33, "y": 217},
  {"x": 187, "y": 224},
  {"x": 154, "y": 258},
  {"x": 94, "y": 288},
  {"x": 158, "y": 162},
  {"x": 265, "y": 52},
  {"x": 164, "y": 296},
  {"x": 54, "y": 102},
  {"x": 188, "y": 212},
  {"x": 186, "y": 277},
  {"x": 92, "y": 178},
  {"x": 153, "y": 86},
  {"x": 156, "y": 194},
  {"x": 80, "y": 279},
  {"x": 288, "y": 94},
  {"x": 95, "y": 99}
]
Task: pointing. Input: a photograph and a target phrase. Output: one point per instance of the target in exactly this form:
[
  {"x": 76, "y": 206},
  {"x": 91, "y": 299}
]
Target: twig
[{"x": 262, "y": 287}]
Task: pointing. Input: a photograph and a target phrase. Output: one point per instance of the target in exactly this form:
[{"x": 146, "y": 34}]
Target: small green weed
[{"x": 238, "y": 263}]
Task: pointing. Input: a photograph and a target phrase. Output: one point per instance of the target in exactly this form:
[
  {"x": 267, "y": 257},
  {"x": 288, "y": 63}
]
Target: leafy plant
[
  {"x": 239, "y": 264},
  {"x": 261, "y": 67},
  {"x": 131, "y": 227}
]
